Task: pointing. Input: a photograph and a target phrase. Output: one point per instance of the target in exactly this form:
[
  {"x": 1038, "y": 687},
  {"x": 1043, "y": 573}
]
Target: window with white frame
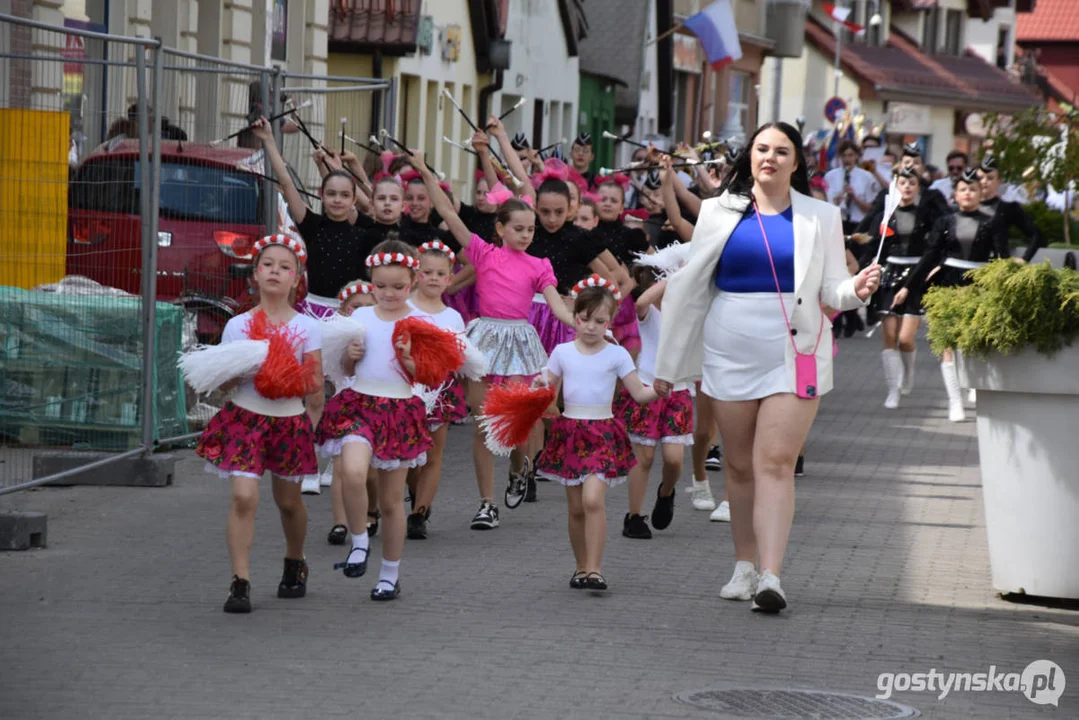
[
  {"x": 738, "y": 88},
  {"x": 953, "y": 32}
]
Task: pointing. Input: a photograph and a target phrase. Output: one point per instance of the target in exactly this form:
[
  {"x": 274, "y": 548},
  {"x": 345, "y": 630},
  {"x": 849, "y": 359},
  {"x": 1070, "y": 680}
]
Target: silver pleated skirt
[{"x": 512, "y": 347}]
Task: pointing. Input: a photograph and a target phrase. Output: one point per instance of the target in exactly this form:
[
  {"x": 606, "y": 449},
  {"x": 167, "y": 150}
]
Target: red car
[{"x": 210, "y": 215}]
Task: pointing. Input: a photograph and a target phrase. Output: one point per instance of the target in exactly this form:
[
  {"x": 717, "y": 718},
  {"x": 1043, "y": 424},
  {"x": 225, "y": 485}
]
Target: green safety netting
[{"x": 71, "y": 370}]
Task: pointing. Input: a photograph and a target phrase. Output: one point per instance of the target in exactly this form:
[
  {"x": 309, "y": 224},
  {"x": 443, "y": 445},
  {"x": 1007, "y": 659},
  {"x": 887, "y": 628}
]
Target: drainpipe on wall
[
  {"x": 376, "y": 101},
  {"x": 485, "y": 97}
]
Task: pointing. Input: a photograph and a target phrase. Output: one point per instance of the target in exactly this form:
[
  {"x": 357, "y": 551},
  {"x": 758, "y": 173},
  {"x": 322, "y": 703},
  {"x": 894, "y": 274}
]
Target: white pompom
[
  {"x": 488, "y": 426},
  {"x": 475, "y": 366},
  {"x": 338, "y": 332},
  {"x": 207, "y": 367},
  {"x": 430, "y": 396},
  {"x": 668, "y": 260}
]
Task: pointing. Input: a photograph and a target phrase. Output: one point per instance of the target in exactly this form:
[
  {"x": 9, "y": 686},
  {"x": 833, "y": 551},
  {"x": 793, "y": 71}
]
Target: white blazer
[{"x": 820, "y": 275}]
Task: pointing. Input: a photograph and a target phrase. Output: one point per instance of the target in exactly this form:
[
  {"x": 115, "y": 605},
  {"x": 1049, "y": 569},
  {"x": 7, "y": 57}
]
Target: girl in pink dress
[{"x": 507, "y": 278}]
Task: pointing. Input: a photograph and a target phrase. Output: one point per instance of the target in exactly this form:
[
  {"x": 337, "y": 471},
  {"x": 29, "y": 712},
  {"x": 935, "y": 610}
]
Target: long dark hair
[{"x": 739, "y": 180}]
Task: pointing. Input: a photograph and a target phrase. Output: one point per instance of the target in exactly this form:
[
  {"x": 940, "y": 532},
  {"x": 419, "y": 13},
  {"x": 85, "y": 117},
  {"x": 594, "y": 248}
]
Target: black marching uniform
[
  {"x": 903, "y": 249},
  {"x": 1012, "y": 215},
  {"x": 959, "y": 242}
]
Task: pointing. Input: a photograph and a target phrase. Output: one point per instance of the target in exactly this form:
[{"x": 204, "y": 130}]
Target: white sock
[
  {"x": 701, "y": 484},
  {"x": 360, "y": 542},
  {"x": 388, "y": 571},
  {"x": 908, "y": 362},
  {"x": 744, "y": 565}
]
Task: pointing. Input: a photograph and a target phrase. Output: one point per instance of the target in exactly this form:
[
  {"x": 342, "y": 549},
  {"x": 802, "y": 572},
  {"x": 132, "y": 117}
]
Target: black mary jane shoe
[
  {"x": 372, "y": 527},
  {"x": 379, "y": 592},
  {"x": 338, "y": 535},
  {"x": 595, "y": 581},
  {"x": 577, "y": 581},
  {"x": 354, "y": 570}
]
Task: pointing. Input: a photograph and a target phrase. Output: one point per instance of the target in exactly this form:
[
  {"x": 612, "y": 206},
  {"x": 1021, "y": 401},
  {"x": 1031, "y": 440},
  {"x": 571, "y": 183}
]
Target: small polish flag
[
  {"x": 714, "y": 27},
  {"x": 840, "y": 15}
]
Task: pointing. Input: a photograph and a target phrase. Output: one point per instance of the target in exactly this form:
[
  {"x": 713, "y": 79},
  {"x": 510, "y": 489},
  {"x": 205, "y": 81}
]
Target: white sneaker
[
  {"x": 326, "y": 478},
  {"x": 769, "y": 597},
  {"x": 722, "y": 513},
  {"x": 310, "y": 485},
  {"x": 702, "y": 496},
  {"x": 743, "y": 584},
  {"x": 892, "y": 401}
]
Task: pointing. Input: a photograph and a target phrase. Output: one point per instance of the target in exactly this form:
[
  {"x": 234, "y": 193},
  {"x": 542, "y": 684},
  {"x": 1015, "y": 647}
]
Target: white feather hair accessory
[
  {"x": 338, "y": 332},
  {"x": 207, "y": 367},
  {"x": 667, "y": 261}
]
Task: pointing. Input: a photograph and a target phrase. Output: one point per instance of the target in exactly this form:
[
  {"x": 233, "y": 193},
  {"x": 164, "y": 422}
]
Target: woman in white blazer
[{"x": 723, "y": 323}]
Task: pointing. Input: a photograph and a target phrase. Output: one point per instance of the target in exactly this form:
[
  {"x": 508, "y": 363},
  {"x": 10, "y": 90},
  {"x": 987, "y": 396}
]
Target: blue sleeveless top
[{"x": 744, "y": 267}]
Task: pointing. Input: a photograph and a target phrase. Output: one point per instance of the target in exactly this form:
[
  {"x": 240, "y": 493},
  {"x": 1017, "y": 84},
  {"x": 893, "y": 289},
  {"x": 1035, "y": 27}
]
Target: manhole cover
[{"x": 795, "y": 704}]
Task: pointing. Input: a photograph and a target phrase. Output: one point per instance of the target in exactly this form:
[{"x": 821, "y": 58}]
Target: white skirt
[{"x": 745, "y": 346}]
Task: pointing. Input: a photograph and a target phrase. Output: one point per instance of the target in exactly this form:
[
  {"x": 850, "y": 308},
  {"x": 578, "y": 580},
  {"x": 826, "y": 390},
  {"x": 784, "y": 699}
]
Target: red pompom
[
  {"x": 436, "y": 352},
  {"x": 281, "y": 375},
  {"x": 510, "y": 412}
]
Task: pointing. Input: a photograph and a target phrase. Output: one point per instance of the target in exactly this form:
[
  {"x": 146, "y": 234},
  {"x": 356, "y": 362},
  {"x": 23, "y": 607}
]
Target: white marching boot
[
  {"x": 893, "y": 376},
  {"x": 951, "y": 387},
  {"x": 908, "y": 370}
]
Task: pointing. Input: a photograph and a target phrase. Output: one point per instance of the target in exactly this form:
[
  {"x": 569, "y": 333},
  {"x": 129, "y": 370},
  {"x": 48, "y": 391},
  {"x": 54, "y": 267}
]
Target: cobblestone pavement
[{"x": 120, "y": 617}]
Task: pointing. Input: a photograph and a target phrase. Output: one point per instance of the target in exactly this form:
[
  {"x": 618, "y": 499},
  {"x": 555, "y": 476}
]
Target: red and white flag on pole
[{"x": 840, "y": 15}]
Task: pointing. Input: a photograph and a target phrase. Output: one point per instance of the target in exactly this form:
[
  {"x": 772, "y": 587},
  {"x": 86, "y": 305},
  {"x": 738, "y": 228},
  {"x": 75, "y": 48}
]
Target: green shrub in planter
[
  {"x": 1050, "y": 223},
  {"x": 1008, "y": 307}
]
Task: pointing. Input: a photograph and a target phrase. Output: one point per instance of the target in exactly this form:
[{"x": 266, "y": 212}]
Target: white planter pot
[{"x": 1028, "y": 448}]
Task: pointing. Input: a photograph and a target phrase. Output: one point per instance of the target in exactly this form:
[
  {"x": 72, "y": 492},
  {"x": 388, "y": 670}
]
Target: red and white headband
[
  {"x": 593, "y": 281},
  {"x": 386, "y": 258},
  {"x": 360, "y": 288},
  {"x": 438, "y": 246},
  {"x": 291, "y": 243}
]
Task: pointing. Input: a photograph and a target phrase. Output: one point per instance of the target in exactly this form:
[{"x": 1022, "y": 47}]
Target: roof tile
[
  {"x": 900, "y": 65},
  {"x": 1055, "y": 20}
]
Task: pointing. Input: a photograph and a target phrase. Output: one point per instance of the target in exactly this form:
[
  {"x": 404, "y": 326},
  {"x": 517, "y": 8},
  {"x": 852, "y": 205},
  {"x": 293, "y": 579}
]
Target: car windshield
[{"x": 188, "y": 192}]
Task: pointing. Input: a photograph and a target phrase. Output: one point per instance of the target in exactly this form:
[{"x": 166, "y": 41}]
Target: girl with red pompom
[
  {"x": 377, "y": 421},
  {"x": 266, "y": 427},
  {"x": 588, "y": 449},
  {"x": 435, "y": 275}
]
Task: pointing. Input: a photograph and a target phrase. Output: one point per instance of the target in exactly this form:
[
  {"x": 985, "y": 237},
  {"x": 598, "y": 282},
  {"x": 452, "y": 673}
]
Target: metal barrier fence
[{"x": 129, "y": 200}]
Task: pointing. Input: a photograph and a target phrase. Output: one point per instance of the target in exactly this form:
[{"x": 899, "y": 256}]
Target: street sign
[{"x": 833, "y": 108}]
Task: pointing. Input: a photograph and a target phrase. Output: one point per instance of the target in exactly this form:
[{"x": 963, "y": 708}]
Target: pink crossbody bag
[{"x": 805, "y": 364}]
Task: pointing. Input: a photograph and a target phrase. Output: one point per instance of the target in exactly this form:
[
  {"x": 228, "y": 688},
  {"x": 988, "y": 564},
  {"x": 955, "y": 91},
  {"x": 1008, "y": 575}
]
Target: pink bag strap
[{"x": 779, "y": 291}]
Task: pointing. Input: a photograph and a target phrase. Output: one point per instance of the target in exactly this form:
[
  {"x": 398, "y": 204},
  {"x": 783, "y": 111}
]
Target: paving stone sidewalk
[{"x": 120, "y": 617}]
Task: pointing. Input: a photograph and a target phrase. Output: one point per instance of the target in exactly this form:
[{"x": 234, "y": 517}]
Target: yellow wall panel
[{"x": 33, "y": 196}]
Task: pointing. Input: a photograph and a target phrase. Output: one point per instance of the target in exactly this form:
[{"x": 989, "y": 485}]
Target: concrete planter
[{"x": 1028, "y": 448}]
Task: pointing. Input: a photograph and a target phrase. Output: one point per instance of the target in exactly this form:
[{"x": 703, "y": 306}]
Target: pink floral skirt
[
  {"x": 451, "y": 406},
  {"x": 552, "y": 331},
  {"x": 576, "y": 449},
  {"x": 624, "y": 327},
  {"x": 666, "y": 420},
  {"x": 395, "y": 428},
  {"x": 240, "y": 442}
]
